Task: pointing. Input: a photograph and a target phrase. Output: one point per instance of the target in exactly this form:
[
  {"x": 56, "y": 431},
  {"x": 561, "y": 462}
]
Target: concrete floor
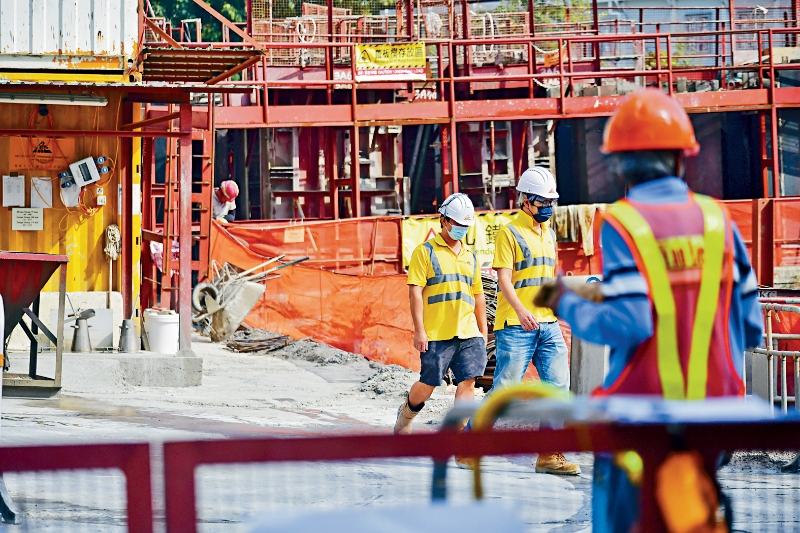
[{"x": 262, "y": 395}]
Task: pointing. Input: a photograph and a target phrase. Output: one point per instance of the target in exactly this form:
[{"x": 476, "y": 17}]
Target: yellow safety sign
[
  {"x": 381, "y": 62},
  {"x": 480, "y": 237}
]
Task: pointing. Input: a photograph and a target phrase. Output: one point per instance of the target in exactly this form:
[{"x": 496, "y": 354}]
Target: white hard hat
[
  {"x": 538, "y": 181},
  {"x": 459, "y": 207}
]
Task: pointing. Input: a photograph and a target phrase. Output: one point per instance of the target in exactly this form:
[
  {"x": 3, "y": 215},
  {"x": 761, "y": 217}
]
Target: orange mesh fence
[
  {"x": 364, "y": 246},
  {"x": 362, "y": 314}
]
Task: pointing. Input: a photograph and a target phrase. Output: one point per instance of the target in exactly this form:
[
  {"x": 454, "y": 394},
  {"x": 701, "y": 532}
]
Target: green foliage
[
  {"x": 678, "y": 49},
  {"x": 548, "y": 12},
  {"x": 177, "y": 10}
]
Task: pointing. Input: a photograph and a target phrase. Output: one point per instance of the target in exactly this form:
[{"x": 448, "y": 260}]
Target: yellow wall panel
[{"x": 74, "y": 232}]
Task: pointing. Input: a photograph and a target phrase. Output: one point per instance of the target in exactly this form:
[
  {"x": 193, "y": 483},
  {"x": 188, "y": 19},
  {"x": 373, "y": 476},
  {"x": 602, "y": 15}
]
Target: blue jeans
[{"x": 516, "y": 348}]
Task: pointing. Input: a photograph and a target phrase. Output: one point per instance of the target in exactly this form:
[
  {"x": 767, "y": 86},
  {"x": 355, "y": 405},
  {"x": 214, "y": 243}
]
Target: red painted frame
[
  {"x": 132, "y": 459},
  {"x": 651, "y": 441}
]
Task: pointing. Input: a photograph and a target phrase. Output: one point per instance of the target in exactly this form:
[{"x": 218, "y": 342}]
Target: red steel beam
[
  {"x": 763, "y": 247},
  {"x": 185, "y": 231}
]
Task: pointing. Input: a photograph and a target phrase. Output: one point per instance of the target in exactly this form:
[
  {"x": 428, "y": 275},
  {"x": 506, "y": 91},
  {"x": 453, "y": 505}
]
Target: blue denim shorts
[{"x": 465, "y": 357}]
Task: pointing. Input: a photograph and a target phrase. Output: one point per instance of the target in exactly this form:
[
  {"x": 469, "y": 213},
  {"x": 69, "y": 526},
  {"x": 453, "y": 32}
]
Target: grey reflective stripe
[
  {"x": 475, "y": 258},
  {"x": 437, "y": 268},
  {"x": 450, "y": 296},
  {"x": 529, "y": 260},
  {"x": 530, "y": 282},
  {"x": 444, "y": 278}
]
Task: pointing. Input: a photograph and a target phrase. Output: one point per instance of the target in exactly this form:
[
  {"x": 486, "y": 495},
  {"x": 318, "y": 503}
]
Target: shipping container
[{"x": 93, "y": 35}]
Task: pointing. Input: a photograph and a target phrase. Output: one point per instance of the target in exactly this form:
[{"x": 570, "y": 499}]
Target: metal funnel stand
[{"x": 80, "y": 337}]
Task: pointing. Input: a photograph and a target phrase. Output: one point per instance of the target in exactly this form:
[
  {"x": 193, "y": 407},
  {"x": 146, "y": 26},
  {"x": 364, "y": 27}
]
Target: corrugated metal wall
[
  {"x": 63, "y": 34},
  {"x": 70, "y": 232}
]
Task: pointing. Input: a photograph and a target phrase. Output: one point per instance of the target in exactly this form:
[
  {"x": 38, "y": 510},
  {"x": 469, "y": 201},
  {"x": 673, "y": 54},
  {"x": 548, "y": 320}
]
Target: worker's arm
[
  {"x": 480, "y": 315},
  {"x": 745, "y": 294},
  {"x": 526, "y": 318},
  {"x": 417, "y": 279},
  {"x": 624, "y": 320},
  {"x": 420, "y": 337}
]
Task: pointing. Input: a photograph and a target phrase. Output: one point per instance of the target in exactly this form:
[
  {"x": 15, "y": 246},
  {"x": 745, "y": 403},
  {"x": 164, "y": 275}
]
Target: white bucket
[{"x": 162, "y": 331}]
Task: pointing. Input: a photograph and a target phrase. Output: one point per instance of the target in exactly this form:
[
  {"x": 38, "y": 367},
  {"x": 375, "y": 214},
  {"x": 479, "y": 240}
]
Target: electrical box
[{"x": 85, "y": 172}]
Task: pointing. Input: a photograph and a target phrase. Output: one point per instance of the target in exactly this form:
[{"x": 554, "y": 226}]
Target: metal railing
[{"x": 781, "y": 356}]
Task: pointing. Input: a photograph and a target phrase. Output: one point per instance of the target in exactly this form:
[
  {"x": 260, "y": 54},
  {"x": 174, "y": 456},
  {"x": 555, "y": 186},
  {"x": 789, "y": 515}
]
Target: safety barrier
[
  {"x": 788, "y": 391},
  {"x": 653, "y": 442},
  {"x": 336, "y": 457},
  {"x": 133, "y": 460}
]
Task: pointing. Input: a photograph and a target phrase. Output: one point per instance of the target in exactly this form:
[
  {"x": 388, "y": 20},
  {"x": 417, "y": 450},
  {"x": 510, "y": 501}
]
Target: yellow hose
[{"x": 493, "y": 406}]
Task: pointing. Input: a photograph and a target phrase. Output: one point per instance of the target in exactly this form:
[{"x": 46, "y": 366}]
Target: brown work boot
[
  {"x": 556, "y": 463},
  {"x": 405, "y": 416}
]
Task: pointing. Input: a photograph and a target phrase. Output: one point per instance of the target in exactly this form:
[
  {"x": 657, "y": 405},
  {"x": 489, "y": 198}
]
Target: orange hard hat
[{"x": 649, "y": 120}]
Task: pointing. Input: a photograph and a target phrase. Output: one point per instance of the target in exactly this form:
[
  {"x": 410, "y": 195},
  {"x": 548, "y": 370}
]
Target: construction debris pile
[
  {"x": 389, "y": 379},
  {"x": 259, "y": 341},
  {"x": 490, "y": 293}
]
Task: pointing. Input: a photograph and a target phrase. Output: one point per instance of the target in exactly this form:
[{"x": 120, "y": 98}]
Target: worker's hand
[
  {"x": 222, "y": 220},
  {"x": 526, "y": 319},
  {"x": 550, "y": 294},
  {"x": 485, "y": 339},
  {"x": 421, "y": 341}
]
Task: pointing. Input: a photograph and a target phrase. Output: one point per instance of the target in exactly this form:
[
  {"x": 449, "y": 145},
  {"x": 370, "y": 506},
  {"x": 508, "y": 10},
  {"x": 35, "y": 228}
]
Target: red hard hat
[
  {"x": 650, "y": 120},
  {"x": 229, "y": 189}
]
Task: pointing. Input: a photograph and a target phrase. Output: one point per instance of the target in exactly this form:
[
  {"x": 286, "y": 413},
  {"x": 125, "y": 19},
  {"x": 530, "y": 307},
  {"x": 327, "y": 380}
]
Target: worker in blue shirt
[{"x": 678, "y": 304}]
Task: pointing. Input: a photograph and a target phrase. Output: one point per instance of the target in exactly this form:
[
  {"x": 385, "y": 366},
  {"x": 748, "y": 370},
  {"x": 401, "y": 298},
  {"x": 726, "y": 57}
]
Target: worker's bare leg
[
  {"x": 419, "y": 393},
  {"x": 465, "y": 391}
]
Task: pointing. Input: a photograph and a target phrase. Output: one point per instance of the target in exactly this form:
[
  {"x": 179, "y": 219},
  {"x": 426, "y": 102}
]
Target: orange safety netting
[
  {"x": 368, "y": 315},
  {"x": 365, "y": 246}
]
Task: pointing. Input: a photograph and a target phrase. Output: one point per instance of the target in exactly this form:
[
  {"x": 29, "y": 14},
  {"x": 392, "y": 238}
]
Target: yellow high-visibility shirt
[
  {"x": 530, "y": 252},
  {"x": 450, "y": 283}
]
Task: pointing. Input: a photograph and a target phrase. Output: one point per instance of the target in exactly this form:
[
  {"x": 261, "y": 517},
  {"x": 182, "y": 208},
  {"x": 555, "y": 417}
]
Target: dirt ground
[{"x": 304, "y": 389}]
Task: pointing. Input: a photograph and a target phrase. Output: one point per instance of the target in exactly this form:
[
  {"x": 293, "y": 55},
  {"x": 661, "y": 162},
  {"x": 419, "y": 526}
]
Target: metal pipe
[
  {"x": 784, "y": 401},
  {"x": 771, "y": 370},
  {"x": 796, "y": 383}
]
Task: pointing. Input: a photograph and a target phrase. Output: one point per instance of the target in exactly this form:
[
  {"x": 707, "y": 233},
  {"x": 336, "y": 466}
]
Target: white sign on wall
[{"x": 27, "y": 219}]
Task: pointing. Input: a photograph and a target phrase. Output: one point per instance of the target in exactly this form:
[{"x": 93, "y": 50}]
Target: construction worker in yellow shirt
[
  {"x": 525, "y": 258},
  {"x": 448, "y": 309}
]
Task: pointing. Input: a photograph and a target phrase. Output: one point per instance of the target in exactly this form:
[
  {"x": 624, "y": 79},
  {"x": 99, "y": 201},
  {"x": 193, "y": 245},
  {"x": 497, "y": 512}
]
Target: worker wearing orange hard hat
[
  {"x": 223, "y": 204},
  {"x": 678, "y": 304}
]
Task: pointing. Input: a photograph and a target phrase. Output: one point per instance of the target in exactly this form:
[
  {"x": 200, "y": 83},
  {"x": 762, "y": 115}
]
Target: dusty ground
[{"x": 304, "y": 389}]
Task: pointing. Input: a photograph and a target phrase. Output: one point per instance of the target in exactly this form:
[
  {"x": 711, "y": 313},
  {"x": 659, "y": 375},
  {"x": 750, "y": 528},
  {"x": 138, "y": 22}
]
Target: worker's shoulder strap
[
  {"x": 527, "y": 257},
  {"x": 625, "y": 217},
  {"x": 435, "y": 265},
  {"x": 714, "y": 229}
]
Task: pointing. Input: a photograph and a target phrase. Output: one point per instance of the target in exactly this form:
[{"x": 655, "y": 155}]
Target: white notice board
[
  {"x": 27, "y": 219},
  {"x": 41, "y": 192},
  {"x": 13, "y": 191}
]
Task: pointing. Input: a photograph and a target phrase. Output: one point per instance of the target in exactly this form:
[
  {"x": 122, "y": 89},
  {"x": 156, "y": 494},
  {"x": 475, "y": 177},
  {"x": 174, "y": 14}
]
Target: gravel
[
  {"x": 307, "y": 350},
  {"x": 389, "y": 380},
  {"x": 759, "y": 462}
]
